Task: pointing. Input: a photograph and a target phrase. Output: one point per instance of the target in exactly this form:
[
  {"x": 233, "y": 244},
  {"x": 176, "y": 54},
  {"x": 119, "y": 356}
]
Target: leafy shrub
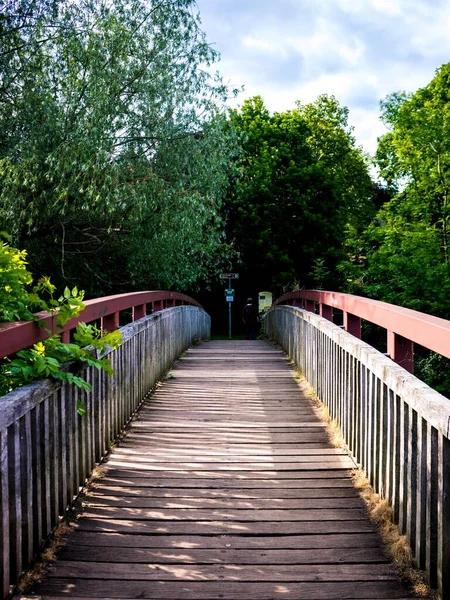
[{"x": 18, "y": 301}]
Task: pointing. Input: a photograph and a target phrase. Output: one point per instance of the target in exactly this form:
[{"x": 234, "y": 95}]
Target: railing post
[
  {"x": 65, "y": 336},
  {"x": 157, "y": 306},
  {"x": 326, "y": 311},
  {"x": 310, "y": 305},
  {"x": 401, "y": 350},
  {"x": 139, "y": 311},
  {"x": 352, "y": 324},
  {"x": 110, "y": 322}
]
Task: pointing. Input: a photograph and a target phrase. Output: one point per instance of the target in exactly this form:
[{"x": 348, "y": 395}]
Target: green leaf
[{"x": 81, "y": 410}]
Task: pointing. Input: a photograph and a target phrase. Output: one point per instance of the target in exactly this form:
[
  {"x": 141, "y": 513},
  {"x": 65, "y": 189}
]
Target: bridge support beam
[
  {"x": 352, "y": 324},
  {"x": 401, "y": 351},
  {"x": 110, "y": 322},
  {"x": 310, "y": 305},
  {"x": 139, "y": 311},
  {"x": 326, "y": 312},
  {"x": 157, "y": 306}
]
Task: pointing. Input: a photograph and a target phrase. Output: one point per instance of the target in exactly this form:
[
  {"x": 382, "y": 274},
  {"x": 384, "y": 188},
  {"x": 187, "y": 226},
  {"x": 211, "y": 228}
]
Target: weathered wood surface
[{"x": 226, "y": 487}]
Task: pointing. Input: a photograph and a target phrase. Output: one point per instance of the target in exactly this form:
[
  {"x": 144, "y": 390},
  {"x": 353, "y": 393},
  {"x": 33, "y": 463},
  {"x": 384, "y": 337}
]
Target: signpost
[{"x": 229, "y": 295}]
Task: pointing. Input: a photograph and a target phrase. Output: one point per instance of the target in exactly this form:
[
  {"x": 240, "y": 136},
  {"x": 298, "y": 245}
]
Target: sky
[{"x": 357, "y": 50}]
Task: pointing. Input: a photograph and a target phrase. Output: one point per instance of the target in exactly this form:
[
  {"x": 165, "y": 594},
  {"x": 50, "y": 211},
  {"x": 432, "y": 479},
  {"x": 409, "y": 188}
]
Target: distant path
[{"x": 226, "y": 487}]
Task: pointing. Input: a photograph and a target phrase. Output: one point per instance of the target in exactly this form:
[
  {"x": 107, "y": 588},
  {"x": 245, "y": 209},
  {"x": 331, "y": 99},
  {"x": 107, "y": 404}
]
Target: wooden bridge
[{"x": 226, "y": 485}]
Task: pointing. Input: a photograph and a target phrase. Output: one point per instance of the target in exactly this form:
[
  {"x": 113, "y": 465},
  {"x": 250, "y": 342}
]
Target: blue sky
[{"x": 358, "y": 50}]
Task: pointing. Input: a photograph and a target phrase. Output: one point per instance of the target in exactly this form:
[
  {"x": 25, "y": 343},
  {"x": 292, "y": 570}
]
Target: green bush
[{"x": 19, "y": 301}]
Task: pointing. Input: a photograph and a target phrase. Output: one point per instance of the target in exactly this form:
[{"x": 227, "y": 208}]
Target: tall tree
[
  {"x": 408, "y": 260},
  {"x": 301, "y": 179},
  {"x": 113, "y": 153}
]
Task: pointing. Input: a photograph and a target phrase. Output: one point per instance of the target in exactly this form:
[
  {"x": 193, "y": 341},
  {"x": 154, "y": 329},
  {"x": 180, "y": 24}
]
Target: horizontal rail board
[{"x": 15, "y": 336}]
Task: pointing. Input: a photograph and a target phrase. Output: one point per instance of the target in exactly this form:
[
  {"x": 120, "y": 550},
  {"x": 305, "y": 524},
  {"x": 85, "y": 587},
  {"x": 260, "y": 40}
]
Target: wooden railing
[
  {"x": 404, "y": 327},
  {"x": 396, "y": 427},
  {"x": 47, "y": 450}
]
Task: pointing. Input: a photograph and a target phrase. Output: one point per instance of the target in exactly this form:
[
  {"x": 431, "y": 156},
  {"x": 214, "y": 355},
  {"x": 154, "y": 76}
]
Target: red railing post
[
  {"x": 110, "y": 322},
  {"x": 326, "y": 311},
  {"x": 310, "y": 305},
  {"x": 352, "y": 324},
  {"x": 401, "y": 350},
  {"x": 157, "y": 305},
  {"x": 139, "y": 311},
  {"x": 65, "y": 336}
]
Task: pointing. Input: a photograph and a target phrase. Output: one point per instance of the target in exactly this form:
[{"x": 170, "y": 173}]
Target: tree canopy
[
  {"x": 407, "y": 244},
  {"x": 301, "y": 180},
  {"x": 113, "y": 156}
]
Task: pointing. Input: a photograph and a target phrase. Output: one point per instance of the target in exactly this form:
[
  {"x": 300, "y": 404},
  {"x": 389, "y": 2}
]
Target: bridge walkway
[{"x": 226, "y": 487}]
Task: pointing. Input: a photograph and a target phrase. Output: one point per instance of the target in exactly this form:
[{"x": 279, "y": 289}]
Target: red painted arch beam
[
  {"x": 428, "y": 331},
  {"x": 23, "y": 334}
]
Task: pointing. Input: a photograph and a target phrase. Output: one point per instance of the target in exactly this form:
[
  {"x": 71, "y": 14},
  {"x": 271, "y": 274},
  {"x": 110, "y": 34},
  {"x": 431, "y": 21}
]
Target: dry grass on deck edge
[
  {"x": 38, "y": 570},
  {"x": 395, "y": 545}
]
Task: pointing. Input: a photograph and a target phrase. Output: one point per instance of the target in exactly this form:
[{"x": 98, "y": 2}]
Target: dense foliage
[
  {"x": 113, "y": 155},
  {"x": 121, "y": 169},
  {"x": 403, "y": 255},
  {"x": 406, "y": 247},
  {"x": 301, "y": 181}
]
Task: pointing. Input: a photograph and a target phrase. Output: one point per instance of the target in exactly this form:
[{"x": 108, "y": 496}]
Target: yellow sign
[{"x": 264, "y": 301}]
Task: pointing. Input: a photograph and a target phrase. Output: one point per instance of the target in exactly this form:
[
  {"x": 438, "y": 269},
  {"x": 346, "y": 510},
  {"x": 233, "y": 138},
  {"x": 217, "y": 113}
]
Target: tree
[
  {"x": 408, "y": 258},
  {"x": 112, "y": 145},
  {"x": 295, "y": 192}
]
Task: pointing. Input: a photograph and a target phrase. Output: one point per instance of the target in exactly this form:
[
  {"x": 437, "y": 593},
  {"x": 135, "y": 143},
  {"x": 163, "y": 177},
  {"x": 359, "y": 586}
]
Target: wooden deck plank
[
  {"x": 217, "y": 481},
  {"x": 226, "y": 556},
  {"x": 226, "y": 503},
  {"x": 223, "y": 514},
  {"x": 225, "y": 590},
  {"x": 246, "y": 542},
  {"x": 105, "y": 489},
  {"x": 226, "y": 487},
  {"x": 225, "y": 572},
  {"x": 158, "y": 527}
]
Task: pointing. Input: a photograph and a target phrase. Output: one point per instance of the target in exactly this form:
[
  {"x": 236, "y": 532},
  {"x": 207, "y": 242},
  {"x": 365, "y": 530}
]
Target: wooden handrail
[
  {"x": 405, "y": 327},
  {"x": 16, "y": 336}
]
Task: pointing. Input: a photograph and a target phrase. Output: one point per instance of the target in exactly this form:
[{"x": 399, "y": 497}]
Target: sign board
[
  {"x": 264, "y": 301},
  {"x": 229, "y": 276},
  {"x": 229, "y": 292},
  {"x": 230, "y": 298}
]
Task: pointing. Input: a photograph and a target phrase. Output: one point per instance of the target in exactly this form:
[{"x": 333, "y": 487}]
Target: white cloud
[{"x": 358, "y": 50}]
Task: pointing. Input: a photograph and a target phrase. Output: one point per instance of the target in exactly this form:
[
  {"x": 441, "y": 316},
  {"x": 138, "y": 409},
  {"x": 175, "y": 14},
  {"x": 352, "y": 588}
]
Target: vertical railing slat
[{"x": 5, "y": 515}]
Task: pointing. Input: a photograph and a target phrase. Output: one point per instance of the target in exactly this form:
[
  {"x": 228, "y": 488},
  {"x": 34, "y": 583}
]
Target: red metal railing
[
  {"x": 405, "y": 327},
  {"x": 19, "y": 335}
]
